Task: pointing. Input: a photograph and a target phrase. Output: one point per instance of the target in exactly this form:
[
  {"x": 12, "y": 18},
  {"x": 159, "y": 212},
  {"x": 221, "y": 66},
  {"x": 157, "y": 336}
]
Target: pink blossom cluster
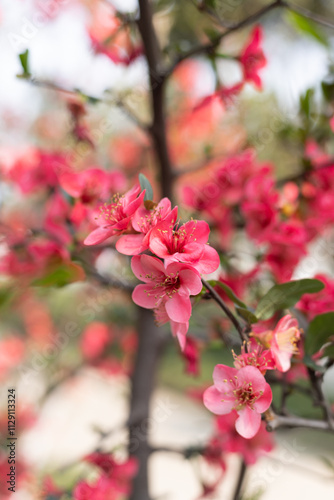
[
  {"x": 175, "y": 254},
  {"x": 244, "y": 389}
]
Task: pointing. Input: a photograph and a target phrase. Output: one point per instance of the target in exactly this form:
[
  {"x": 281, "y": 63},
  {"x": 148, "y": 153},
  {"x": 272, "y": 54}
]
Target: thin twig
[
  {"x": 226, "y": 310},
  {"x": 240, "y": 481},
  {"x": 275, "y": 421},
  {"x": 78, "y": 93}
]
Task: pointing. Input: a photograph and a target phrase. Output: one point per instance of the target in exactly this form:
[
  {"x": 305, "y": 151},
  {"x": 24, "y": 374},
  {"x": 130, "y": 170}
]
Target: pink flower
[
  {"x": 91, "y": 184},
  {"x": 175, "y": 284},
  {"x": 228, "y": 440},
  {"x": 252, "y": 58},
  {"x": 179, "y": 330},
  {"x": 284, "y": 342},
  {"x": 102, "y": 489},
  {"x": 256, "y": 356},
  {"x": 187, "y": 243},
  {"x": 191, "y": 356},
  {"x": 94, "y": 340},
  {"x": 144, "y": 221},
  {"x": 116, "y": 217},
  {"x": 120, "y": 473},
  {"x": 318, "y": 303},
  {"x": 245, "y": 391}
]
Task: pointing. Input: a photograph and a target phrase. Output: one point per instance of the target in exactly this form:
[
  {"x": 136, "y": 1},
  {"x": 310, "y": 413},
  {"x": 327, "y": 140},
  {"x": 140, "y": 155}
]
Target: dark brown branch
[
  {"x": 240, "y": 482},
  {"x": 142, "y": 381},
  {"x": 319, "y": 396},
  {"x": 226, "y": 310},
  {"x": 157, "y": 90}
]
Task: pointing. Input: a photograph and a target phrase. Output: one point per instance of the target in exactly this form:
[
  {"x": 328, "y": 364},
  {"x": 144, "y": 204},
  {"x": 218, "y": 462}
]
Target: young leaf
[
  {"x": 145, "y": 184},
  {"x": 320, "y": 330},
  {"x": 307, "y": 27},
  {"x": 285, "y": 295},
  {"x": 24, "y": 59},
  {"x": 247, "y": 315}
]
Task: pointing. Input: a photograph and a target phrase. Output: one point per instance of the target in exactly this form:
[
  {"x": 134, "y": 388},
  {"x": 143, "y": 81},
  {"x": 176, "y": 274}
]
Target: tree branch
[
  {"x": 209, "y": 47},
  {"x": 226, "y": 310},
  {"x": 158, "y": 128},
  {"x": 240, "y": 482},
  {"x": 275, "y": 421}
]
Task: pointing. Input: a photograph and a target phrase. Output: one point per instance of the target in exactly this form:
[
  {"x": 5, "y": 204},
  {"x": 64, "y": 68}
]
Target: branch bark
[{"x": 142, "y": 383}]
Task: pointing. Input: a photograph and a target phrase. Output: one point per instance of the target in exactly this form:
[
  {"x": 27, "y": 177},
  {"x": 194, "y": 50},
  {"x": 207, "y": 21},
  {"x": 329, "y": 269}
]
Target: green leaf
[
  {"x": 61, "y": 275},
  {"x": 247, "y": 315},
  {"x": 285, "y": 295},
  {"x": 307, "y": 27},
  {"x": 306, "y": 102},
  {"x": 229, "y": 292},
  {"x": 319, "y": 332},
  {"x": 328, "y": 90},
  {"x": 24, "y": 59},
  {"x": 310, "y": 363},
  {"x": 6, "y": 295},
  {"x": 329, "y": 351},
  {"x": 145, "y": 184}
]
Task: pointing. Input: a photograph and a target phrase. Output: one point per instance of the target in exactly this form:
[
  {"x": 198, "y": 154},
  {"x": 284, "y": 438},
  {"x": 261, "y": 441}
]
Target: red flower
[{"x": 252, "y": 58}]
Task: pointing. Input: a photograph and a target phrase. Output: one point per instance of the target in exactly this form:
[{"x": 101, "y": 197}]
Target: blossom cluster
[
  {"x": 176, "y": 254},
  {"x": 243, "y": 389}
]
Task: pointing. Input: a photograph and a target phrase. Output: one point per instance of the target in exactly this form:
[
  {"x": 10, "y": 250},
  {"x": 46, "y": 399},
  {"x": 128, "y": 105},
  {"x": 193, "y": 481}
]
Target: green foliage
[
  {"x": 247, "y": 315},
  {"x": 306, "y": 27},
  {"x": 24, "y": 59},
  {"x": 145, "y": 184},
  {"x": 62, "y": 275},
  {"x": 285, "y": 295},
  {"x": 319, "y": 332}
]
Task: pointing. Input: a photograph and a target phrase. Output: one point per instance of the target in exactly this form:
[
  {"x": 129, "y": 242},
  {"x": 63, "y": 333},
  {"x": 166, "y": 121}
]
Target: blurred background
[{"x": 68, "y": 350}]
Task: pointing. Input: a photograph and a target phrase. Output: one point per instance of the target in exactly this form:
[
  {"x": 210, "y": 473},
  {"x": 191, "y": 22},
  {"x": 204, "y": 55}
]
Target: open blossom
[
  {"x": 144, "y": 221},
  {"x": 172, "y": 285},
  {"x": 186, "y": 243},
  {"x": 245, "y": 391},
  {"x": 253, "y": 59},
  {"x": 282, "y": 341},
  {"x": 114, "y": 218}
]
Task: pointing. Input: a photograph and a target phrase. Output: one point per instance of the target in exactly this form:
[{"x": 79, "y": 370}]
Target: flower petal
[
  {"x": 130, "y": 244},
  {"x": 99, "y": 235},
  {"x": 178, "y": 308},
  {"x": 212, "y": 399},
  {"x": 263, "y": 403},
  {"x": 145, "y": 296},
  {"x": 248, "y": 423},
  {"x": 224, "y": 378}
]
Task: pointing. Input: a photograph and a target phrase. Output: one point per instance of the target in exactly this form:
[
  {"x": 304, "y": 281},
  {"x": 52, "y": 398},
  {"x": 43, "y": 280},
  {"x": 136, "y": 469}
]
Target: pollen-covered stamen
[
  {"x": 150, "y": 220},
  {"x": 166, "y": 285},
  {"x": 245, "y": 396},
  {"x": 287, "y": 341},
  {"x": 114, "y": 212}
]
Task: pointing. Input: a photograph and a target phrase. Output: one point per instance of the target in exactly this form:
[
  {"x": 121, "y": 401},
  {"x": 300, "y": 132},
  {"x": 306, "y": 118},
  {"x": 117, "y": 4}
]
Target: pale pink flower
[
  {"x": 284, "y": 342},
  {"x": 245, "y": 391}
]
